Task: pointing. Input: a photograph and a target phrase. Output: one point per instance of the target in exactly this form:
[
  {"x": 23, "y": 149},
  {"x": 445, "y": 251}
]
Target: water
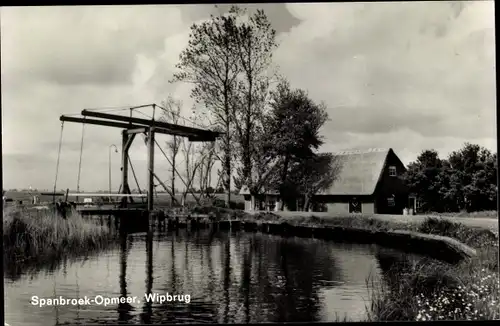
[{"x": 230, "y": 278}]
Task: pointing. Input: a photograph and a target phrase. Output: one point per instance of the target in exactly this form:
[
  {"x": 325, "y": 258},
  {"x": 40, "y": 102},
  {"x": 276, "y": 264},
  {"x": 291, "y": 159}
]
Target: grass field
[
  {"x": 161, "y": 198},
  {"x": 401, "y": 220}
]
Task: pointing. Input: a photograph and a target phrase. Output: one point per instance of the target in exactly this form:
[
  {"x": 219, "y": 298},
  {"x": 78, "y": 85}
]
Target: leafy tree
[
  {"x": 467, "y": 180},
  {"x": 314, "y": 174},
  {"x": 227, "y": 60},
  {"x": 292, "y": 135},
  {"x": 424, "y": 176},
  {"x": 209, "y": 63},
  {"x": 254, "y": 40},
  {"x": 474, "y": 177}
]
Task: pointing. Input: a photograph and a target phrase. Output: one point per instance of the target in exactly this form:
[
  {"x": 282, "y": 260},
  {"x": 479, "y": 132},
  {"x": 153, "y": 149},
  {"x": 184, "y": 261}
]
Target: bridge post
[
  {"x": 124, "y": 168},
  {"x": 127, "y": 140},
  {"x": 151, "y": 165}
]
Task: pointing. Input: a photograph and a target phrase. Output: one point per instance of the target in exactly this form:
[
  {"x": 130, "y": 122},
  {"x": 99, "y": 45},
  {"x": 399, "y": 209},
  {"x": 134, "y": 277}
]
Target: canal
[{"x": 225, "y": 277}]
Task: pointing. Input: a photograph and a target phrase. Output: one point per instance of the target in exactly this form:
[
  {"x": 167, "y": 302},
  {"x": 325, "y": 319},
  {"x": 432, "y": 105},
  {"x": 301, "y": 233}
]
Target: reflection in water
[
  {"x": 230, "y": 277},
  {"x": 124, "y": 309},
  {"x": 227, "y": 274},
  {"x": 147, "y": 310},
  {"x": 246, "y": 279}
]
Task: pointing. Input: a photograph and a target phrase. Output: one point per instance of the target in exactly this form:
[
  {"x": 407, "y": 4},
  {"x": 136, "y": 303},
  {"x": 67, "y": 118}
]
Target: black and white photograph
[{"x": 236, "y": 163}]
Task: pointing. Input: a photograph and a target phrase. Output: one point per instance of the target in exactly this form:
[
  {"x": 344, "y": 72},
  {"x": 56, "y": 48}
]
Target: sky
[{"x": 408, "y": 76}]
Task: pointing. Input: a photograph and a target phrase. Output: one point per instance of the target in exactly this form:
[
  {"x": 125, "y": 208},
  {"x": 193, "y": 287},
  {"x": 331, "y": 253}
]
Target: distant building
[
  {"x": 367, "y": 182},
  {"x": 88, "y": 202},
  {"x": 265, "y": 201}
]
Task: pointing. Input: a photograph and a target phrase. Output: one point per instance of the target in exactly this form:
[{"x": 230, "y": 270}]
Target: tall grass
[
  {"x": 29, "y": 234},
  {"x": 426, "y": 290}
]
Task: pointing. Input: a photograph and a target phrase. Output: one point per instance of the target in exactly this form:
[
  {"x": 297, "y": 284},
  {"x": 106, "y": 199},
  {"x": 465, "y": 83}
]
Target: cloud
[
  {"x": 82, "y": 44},
  {"x": 406, "y": 143},
  {"x": 379, "y": 67},
  {"x": 277, "y": 13},
  {"x": 409, "y": 76},
  {"x": 38, "y": 89}
]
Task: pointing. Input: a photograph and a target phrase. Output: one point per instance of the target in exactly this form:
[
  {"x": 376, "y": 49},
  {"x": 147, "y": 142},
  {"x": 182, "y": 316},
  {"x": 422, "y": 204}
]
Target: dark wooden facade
[{"x": 390, "y": 186}]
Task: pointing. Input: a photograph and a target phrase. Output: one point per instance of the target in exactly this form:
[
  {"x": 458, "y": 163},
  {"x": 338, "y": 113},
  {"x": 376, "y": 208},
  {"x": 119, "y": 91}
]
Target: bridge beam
[
  {"x": 133, "y": 128},
  {"x": 137, "y": 131},
  {"x": 97, "y": 122},
  {"x": 178, "y": 130}
]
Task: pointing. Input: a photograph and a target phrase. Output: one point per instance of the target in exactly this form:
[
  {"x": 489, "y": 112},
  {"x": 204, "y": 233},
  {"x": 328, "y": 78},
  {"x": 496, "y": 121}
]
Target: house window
[
  {"x": 354, "y": 206},
  {"x": 392, "y": 171},
  {"x": 391, "y": 202}
]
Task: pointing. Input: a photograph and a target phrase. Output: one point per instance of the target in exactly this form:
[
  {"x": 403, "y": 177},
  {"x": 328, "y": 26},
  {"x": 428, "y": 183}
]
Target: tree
[
  {"x": 474, "y": 175},
  {"x": 292, "y": 135},
  {"x": 228, "y": 60},
  {"x": 195, "y": 155},
  {"x": 209, "y": 63},
  {"x": 314, "y": 174},
  {"x": 172, "y": 113},
  {"x": 209, "y": 155},
  {"x": 424, "y": 177},
  {"x": 208, "y": 159},
  {"x": 255, "y": 40},
  {"x": 467, "y": 180}
]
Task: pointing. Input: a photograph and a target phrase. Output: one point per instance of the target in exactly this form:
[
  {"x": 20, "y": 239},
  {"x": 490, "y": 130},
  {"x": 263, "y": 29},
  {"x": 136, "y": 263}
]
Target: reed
[{"x": 32, "y": 234}]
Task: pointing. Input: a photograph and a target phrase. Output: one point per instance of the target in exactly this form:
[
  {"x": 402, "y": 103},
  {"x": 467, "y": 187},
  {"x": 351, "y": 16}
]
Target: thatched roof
[{"x": 358, "y": 172}]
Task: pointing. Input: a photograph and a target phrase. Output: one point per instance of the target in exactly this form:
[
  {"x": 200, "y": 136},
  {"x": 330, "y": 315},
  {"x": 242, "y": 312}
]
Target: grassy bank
[
  {"x": 353, "y": 221},
  {"x": 479, "y": 214},
  {"x": 429, "y": 290},
  {"x": 39, "y": 236}
]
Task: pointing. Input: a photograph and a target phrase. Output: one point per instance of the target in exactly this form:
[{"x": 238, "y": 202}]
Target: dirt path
[{"x": 486, "y": 223}]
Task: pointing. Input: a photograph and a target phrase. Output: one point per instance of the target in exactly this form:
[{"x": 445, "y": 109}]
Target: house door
[
  {"x": 354, "y": 206},
  {"x": 413, "y": 204}
]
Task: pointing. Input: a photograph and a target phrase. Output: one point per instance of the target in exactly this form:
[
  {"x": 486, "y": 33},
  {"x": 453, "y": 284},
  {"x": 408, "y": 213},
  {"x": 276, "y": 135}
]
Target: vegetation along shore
[
  {"x": 37, "y": 236},
  {"x": 430, "y": 290}
]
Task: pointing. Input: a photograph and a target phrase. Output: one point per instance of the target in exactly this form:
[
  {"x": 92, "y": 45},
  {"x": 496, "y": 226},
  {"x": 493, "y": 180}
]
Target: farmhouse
[{"x": 368, "y": 181}]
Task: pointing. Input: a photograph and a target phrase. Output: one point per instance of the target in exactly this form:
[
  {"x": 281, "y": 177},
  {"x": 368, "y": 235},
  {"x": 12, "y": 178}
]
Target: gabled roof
[{"x": 359, "y": 171}]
